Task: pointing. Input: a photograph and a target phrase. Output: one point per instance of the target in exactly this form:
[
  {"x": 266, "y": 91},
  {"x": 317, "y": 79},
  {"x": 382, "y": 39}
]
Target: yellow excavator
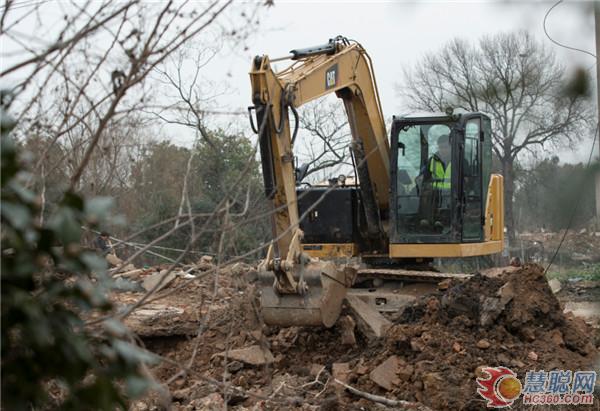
[{"x": 427, "y": 192}]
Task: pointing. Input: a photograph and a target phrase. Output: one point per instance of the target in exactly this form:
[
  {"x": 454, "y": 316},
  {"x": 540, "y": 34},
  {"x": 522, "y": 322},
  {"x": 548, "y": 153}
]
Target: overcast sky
[{"x": 396, "y": 34}]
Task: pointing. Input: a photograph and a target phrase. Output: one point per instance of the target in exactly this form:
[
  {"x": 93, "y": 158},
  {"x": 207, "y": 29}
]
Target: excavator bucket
[{"x": 319, "y": 304}]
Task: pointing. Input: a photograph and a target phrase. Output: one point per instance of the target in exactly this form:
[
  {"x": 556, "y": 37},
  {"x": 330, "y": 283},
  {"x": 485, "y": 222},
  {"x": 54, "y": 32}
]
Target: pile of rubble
[
  {"x": 181, "y": 296},
  {"x": 581, "y": 246},
  {"x": 428, "y": 358}
]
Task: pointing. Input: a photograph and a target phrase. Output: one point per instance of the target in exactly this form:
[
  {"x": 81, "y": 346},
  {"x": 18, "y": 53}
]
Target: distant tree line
[
  {"x": 548, "y": 193},
  {"x": 153, "y": 181}
]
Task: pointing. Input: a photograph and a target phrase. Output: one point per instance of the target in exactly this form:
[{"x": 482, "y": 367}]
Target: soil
[{"x": 510, "y": 319}]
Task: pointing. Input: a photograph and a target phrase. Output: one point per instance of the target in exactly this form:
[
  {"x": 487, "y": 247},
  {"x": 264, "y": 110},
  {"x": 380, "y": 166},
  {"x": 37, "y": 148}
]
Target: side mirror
[
  {"x": 301, "y": 173},
  {"x": 402, "y": 146}
]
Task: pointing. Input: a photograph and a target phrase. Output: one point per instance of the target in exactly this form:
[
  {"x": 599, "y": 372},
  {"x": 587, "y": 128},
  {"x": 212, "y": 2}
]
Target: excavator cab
[
  {"x": 444, "y": 201},
  {"x": 440, "y": 178}
]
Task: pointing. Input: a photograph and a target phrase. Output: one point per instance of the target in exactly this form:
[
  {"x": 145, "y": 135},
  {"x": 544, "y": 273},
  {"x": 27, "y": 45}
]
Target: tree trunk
[{"x": 508, "y": 172}]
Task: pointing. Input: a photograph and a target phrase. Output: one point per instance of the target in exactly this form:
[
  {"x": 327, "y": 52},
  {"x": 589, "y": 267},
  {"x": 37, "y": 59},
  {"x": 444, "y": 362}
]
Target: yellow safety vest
[{"x": 441, "y": 178}]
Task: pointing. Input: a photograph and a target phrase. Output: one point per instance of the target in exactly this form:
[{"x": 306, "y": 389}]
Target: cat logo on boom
[{"x": 331, "y": 77}]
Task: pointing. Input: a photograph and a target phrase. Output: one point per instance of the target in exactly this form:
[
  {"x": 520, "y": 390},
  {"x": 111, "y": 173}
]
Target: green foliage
[
  {"x": 219, "y": 167},
  {"x": 589, "y": 272},
  {"x": 215, "y": 174},
  {"x": 547, "y": 194},
  {"x": 45, "y": 341}
]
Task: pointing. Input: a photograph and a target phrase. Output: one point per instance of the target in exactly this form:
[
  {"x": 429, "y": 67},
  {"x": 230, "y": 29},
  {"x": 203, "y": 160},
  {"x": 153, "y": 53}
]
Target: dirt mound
[
  {"x": 431, "y": 355},
  {"x": 513, "y": 320}
]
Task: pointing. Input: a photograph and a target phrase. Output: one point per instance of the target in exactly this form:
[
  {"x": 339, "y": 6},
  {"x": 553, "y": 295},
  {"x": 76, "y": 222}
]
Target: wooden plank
[
  {"x": 370, "y": 322},
  {"x": 130, "y": 274},
  {"x": 159, "y": 320}
]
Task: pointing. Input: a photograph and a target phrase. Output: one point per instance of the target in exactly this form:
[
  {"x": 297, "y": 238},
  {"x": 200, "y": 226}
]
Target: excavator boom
[
  {"x": 341, "y": 67},
  {"x": 306, "y": 292}
]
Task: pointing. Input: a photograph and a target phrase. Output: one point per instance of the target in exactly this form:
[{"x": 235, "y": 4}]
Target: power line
[
  {"x": 562, "y": 240},
  {"x": 556, "y": 42},
  {"x": 581, "y": 191},
  {"x": 23, "y": 4}
]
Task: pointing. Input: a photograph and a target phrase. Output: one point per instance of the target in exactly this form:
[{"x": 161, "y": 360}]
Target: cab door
[{"x": 471, "y": 183}]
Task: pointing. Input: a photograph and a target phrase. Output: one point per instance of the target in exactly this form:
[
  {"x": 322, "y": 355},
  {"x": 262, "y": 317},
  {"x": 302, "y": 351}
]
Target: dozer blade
[{"x": 320, "y": 304}]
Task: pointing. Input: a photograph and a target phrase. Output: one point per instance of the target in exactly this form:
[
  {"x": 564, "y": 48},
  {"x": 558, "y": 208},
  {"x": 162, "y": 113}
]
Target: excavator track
[
  {"x": 408, "y": 275},
  {"x": 391, "y": 289}
]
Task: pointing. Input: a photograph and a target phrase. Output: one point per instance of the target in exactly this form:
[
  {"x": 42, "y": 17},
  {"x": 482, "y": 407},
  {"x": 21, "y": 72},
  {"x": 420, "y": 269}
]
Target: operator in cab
[
  {"x": 439, "y": 166},
  {"x": 435, "y": 191}
]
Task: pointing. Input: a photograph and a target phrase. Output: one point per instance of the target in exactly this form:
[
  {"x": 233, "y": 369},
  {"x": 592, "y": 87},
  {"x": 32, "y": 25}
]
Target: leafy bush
[{"x": 46, "y": 344}]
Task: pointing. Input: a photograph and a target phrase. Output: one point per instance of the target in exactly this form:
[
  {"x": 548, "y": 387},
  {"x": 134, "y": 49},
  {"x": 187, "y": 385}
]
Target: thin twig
[{"x": 383, "y": 400}]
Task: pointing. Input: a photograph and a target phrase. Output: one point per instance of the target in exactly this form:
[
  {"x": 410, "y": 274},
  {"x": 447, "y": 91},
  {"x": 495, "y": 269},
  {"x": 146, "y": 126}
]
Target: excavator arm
[{"x": 306, "y": 292}]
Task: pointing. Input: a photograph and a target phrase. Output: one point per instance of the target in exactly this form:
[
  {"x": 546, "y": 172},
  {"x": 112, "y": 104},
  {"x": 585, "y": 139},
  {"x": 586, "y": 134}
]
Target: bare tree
[
  {"x": 95, "y": 70},
  {"x": 514, "y": 79},
  {"x": 327, "y": 145},
  {"x": 187, "y": 93}
]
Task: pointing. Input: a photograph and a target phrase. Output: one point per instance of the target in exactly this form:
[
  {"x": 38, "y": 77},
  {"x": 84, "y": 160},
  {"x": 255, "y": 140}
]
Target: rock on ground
[{"x": 253, "y": 355}]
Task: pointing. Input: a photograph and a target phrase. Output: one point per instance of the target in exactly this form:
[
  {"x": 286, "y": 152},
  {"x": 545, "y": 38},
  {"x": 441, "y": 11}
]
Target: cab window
[
  {"x": 424, "y": 180},
  {"x": 472, "y": 187}
]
